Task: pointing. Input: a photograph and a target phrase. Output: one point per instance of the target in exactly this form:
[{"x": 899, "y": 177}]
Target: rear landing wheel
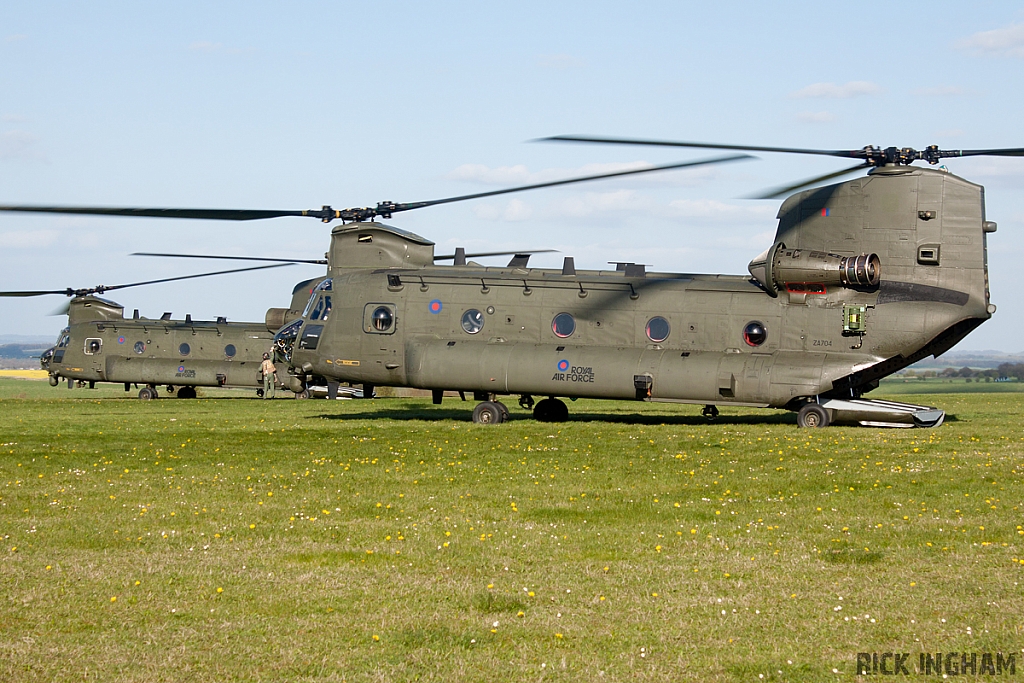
[
  {"x": 488, "y": 412},
  {"x": 812, "y": 415},
  {"x": 147, "y": 393},
  {"x": 504, "y": 411},
  {"x": 186, "y": 392},
  {"x": 710, "y": 412},
  {"x": 550, "y": 410}
]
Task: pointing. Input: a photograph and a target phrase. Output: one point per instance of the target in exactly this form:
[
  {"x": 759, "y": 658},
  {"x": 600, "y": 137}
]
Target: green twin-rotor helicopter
[{"x": 863, "y": 278}]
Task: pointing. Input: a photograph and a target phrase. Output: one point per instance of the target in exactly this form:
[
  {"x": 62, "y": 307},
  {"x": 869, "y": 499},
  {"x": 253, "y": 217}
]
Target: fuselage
[{"x": 398, "y": 319}]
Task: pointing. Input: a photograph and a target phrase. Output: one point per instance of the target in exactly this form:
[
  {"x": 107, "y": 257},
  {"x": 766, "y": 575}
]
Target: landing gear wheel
[
  {"x": 302, "y": 394},
  {"x": 487, "y": 413},
  {"x": 550, "y": 410},
  {"x": 526, "y": 402},
  {"x": 259, "y": 393},
  {"x": 812, "y": 415},
  {"x": 147, "y": 394},
  {"x": 504, "y": 411},
  {"x": 710, "y": 412},
  {"x": 186, "y": 392}
]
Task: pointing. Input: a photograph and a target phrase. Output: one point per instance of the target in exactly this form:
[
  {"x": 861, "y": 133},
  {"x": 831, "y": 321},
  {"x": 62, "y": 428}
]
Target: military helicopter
[
  {"x": 101, "y": 345},
  {"x": 812, "y": 329}
]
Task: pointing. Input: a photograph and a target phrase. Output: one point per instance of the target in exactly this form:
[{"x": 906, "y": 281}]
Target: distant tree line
[{"x": 1006, "y": 371}]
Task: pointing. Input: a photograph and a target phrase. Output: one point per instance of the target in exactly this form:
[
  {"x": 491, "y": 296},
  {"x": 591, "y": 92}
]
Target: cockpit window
[
  {"x": 65, "y": 337},
  {"x": 317, "y": 310},
  {"x": 325, "y": 286},
  {"x": 327, "y": 307}
]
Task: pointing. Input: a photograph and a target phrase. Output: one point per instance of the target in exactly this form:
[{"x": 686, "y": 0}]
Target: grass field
[{"x": 229, "y": 539}]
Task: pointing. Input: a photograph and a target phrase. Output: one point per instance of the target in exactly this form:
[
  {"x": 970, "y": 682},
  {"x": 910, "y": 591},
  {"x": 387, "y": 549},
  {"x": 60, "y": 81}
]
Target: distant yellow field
[{"x": 24, "y": 374}]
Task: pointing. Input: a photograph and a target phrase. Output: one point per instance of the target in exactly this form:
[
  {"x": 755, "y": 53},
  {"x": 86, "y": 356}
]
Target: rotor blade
[
  {"x": 191, "y": 277},
  {"x": 449, "y": 257},
  {"x": 1007, "y": 152},
  {"x": 319, "y": 262},
  {"x": 207, "y": 214},
  {"x": 99, "y": 289},
  {"x": 62, "y": 310},
  {"x": 394, "y": 208},
  {"x": 853, "y": 154},
  {"x": 777, "y": 192},
  {"x": 66, "y": 292}
]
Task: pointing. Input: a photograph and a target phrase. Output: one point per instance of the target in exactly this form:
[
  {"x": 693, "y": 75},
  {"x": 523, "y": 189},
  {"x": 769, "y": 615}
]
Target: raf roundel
[
  {"x": 181, "y": 368},
  {"x": 120, "y": 340},
  {"x": 563, "y": 365},
  {"x": 434, "y": 306}
]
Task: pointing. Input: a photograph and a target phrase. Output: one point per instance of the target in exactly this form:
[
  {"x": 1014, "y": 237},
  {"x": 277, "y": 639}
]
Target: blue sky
[{"x": 258, "y": 105}]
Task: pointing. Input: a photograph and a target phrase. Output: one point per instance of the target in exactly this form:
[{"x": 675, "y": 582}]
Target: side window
[
  {"x": 380, "y": 319},
  {"x": 184, "y": 349},
  {"x": 310, "y": 337},
  {"x": 327, "y": 307},
  {"x": 657, "y": 329},
  {"x": 563, "y": 325},
  {"x": 93, "y": 346}
]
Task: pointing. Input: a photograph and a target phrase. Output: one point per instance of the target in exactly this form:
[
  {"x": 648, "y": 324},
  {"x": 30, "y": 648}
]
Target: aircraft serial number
[{"x": 822, "y": 342}]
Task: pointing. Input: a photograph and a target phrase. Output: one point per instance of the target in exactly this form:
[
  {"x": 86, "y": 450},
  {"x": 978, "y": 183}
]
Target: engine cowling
[{"x": 779, "y": 267}]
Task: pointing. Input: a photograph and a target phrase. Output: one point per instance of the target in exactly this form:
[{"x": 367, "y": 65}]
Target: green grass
[
  {"x": 937, "y": 385},
  {"x": 236, "y": 539}
]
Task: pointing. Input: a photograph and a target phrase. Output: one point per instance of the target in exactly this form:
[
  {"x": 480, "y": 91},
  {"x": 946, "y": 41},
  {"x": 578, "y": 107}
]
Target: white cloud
[
  {"x": 15, "y": 38},
  {"x": 833, "y": 91},
  {"x": 590, "y": 204},
  {"x": 559, "y": 61},
  {"x": 515, "y": 211},
  {"x": 28, "y": 239},
  {"x": 19, "y": 145},
  {"x": 521, "y": 175},
  {"x": 1000, "y": 42},
  {"x": 205, "y": 46},
  {"x": 940, "y": 91},
  {"x": 989, "y": 167},
  {"x": 816, "y": 116},
  {"x": 711, "y": 209}
]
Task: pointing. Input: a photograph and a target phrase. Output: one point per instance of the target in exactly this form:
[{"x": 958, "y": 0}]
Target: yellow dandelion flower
[
  {"x": 376, "y": 638},
  {"x": 113, "y": 598},
  {"x": 219, "y": 589}
]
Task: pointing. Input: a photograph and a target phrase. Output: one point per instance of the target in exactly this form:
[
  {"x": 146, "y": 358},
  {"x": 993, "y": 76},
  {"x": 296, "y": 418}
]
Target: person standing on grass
[{"x": 269, "y": 371}]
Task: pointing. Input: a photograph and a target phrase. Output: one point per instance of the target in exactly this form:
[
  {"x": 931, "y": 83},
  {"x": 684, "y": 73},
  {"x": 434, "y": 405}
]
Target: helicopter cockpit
[
  {"x": 284, "y": 340},
  {"x": 57, "y": 355}
]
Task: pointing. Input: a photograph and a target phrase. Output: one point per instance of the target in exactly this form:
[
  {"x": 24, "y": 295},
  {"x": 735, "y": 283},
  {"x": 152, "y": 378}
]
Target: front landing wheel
[
  {"x": 812, "y": 415},
  {"x": 488, "y": 413}
]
